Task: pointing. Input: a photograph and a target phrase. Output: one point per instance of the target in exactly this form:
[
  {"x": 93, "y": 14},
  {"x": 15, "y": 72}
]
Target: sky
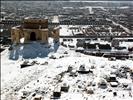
[{"x": 66, "y": 0}]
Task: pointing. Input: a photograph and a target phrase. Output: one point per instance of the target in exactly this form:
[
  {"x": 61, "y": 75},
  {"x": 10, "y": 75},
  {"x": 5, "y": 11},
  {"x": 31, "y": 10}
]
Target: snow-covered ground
[
  {"x": 126, "y": 44},
  {"x": 42, "y": 77},
  {"x": 65, "y": 31},
  {"x": 70, "y": 30}
]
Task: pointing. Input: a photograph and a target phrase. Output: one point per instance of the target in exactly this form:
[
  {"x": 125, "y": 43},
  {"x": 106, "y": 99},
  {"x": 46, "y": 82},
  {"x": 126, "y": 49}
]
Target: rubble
[
  {"x": 73, "y": 73},
  {"x": 24, "y": 94},
  {"x": 52, "y": 57},
  {"x": 45, "y": 63},
  {"x": 113, "y": 84},
  {"x": 65, "y": 52},
  {"x": 84, "y": 75},
  {"x": 57, "y": 92},
  {"x": 64, "y": 87},
  {"x": 37, "y": 97},
  {"x": 102, "y": 84},
  {"x": 114, "y": 93},
  {"x": 25, "y": 64},
  {"x": 70, "y": 68},
  {"x": 112, "y": 78},
  {"x": 89, "y": 90},
  {"x": 82, "y": 70},
  {"x": 122, "y": 72}
]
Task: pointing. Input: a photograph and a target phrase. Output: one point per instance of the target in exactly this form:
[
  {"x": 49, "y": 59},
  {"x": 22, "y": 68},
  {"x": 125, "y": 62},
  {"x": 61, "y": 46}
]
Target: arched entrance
[{"x": 33, "y": 36}]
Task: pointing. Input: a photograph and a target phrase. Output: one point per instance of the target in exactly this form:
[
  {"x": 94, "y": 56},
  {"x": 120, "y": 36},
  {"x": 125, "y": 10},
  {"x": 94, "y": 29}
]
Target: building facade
[{"x": 34, "y": 29}]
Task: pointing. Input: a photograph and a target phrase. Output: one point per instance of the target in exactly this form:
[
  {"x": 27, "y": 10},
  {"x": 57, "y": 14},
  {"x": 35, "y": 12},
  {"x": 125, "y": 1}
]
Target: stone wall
[
  {"x": 55, "y": 33},
  {"x": 40, "y": 35},
  {"x": 33, "y": 30}
]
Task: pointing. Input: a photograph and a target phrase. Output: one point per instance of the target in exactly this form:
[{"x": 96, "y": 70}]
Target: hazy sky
[{"x": 66, "y": 0}]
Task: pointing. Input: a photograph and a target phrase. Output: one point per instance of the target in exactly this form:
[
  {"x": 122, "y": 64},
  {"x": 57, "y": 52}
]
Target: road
[{"x": 124, "y": 28}]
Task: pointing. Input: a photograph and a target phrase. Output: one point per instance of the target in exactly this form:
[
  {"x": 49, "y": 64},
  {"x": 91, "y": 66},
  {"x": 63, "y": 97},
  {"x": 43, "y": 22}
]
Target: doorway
[{"x": 33, "y": 36}]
